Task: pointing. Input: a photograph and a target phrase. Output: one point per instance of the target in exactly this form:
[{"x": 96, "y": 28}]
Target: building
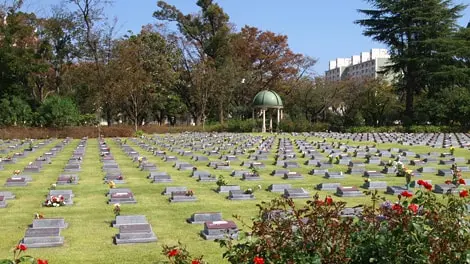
[{"x": 366, "y": 65}]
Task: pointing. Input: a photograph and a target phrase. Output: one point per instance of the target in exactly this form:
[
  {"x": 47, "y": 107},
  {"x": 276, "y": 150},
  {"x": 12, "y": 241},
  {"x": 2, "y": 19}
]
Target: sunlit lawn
[{"x": 89, "y": 237}]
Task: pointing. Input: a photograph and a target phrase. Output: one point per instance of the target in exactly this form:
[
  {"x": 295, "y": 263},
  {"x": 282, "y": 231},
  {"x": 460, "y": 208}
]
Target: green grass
[{"x": 89, "y": 237}]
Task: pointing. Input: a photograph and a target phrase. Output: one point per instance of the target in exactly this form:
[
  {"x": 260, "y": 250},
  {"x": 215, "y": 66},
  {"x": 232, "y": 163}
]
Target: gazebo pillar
[
  {"x": 264, "y": 121},
  {"x": 278, "y": 118},
  {"x": 270, "y": 121}
]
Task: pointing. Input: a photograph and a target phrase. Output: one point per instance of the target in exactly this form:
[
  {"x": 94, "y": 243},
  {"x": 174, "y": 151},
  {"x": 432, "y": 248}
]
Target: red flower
[
  {"x": 406, "y": 194},
  {"x": 421, "y": 182},
  {"x": 397, "y": 208},
  {"x": 195, "y": 261},
  {"x": 463, "y": 193},
  {"x": 173, "y": 252},
  {"x": 461, "y": 181},
  {"x": 21, "y": 247},
  {"x": 319, "y": 202},
  {"x": 329, "y": 200},
  {"x": 427, "y": 185},
  {"x": 258, "y": 260},
  {"x": 448, "y": 182},
  {"x": 42, "y": 261},
  {"x": 413, "y": 207}
]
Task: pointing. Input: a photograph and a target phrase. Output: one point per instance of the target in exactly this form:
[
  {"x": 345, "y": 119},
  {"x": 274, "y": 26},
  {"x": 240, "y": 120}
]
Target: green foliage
[
  {"x": 179, "y": 255},
  {"x": 221, "y": 181},
  {"x": 15, "y": 112},
  {"x": 235, "y": 125},
  {"x": 288, "y": 125},
  {"x": 139, "y": 133},
  {"x": 58, "y": 112},
  {"x": 419, "y": 43},
  {"x": 424, "y": 229}
]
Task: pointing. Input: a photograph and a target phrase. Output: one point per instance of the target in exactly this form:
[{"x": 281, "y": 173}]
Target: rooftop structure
[{"x": 365, "y": 65}]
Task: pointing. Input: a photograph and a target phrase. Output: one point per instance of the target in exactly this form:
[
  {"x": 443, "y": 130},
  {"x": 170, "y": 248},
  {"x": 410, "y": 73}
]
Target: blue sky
[{"x": 323, "y": 29}]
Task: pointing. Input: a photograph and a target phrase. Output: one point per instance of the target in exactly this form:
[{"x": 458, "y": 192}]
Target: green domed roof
[{"x": 267, "y": 99}]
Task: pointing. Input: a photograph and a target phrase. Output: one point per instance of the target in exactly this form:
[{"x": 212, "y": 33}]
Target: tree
[
  {"x": 15, "y": 112},
  {"x": 59, "y": 32},
  {"x": 413, "y": 31},
  {"x": 207, "y": 42},
  {"x": 58, "y": 112},
  {"x": 95, "y": 42},
  {"x": 143, "y": 66}
]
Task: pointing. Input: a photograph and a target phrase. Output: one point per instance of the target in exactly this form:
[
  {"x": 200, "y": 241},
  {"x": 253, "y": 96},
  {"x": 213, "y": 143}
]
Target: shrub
[
  {"x": 58, "y": 112},
  {"x": 423, "y": 229},
  {"x": 179, "y": 255},
  {"x": 282, "y": 233}
]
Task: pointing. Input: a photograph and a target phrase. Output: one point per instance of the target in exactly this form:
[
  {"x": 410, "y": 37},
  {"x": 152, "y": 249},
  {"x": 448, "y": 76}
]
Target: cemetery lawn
[{"x": 89, "y": 237}]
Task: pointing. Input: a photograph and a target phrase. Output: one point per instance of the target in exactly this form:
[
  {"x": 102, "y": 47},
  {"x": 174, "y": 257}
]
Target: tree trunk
[
  {"x": 109, "y": 118},
  {"x": 408, "y": 118},
  {"x": 221, "y": 114}
]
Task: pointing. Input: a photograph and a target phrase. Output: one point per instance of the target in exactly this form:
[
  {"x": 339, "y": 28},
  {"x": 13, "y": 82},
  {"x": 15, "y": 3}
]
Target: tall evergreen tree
[{"x": 415, "y": 32}]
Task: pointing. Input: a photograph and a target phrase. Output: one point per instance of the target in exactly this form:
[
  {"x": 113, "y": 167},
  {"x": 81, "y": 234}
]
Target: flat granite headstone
[
  {"x": 350, "y": 191},
  {"x": 228, "y": 188},
  {"x": 122, "y": 197},
  {"x": 279, "y": 187},
  {"x": 427, "y": 170},
  {"x": 445, "y": 188},
  {"x": 334, "y": 175},
  {"x": 7, "y": 195},
  {"x": 67, "y": 179},
  {"x": 43, "y": 237},
  {"x": 374, "y": 174},
  {"x": 169, "y": 190},
  {"x": 279, "y": 172},
  {"x": 240, "y": 195},
  {"x": 196, "y": 174},
  {"x": 207, "y": 178},
  {"x": 200, "y": 158},
  {"x": 296, "y": 193},
  {"x": 129, "y": 219},
  {"x": 219, "y": 230},
  {"x": 50, "y": 223},
  {"x": 328, "y": 186},
  {"x": 161, "y": 178},
  {"x": 251, "y": 177},
  {"x": 291, "y": 164},
  {"x": 239, "y": 173},
  {"x": 351, "y": 212},
  {"x": 64, "y": 193},
  {"x": 293, "y": 175},
  {"x": 373, "y": 185},
  {"x": 135, "y": 233},
  {"x": 202, "y": 217},
  {"x": 320, "y": 172},
  {"x": 257, "y": 165},
  {"x": 16, "y": 181},
  {"x": 444, "y": 172},
  {"x": 395, "y": 190},
  {"x": 3, "y": 202},
  {"x": 32, "y": 168},
  {"x": 181, "y": 197}
]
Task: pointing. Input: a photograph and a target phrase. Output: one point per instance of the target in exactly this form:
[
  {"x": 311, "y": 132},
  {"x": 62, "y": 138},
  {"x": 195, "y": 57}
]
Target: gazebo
[{"x": 266, "y": 100}]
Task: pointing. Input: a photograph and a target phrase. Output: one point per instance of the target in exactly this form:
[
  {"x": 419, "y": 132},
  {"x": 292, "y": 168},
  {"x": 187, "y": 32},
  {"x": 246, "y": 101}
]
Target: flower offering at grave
[
  {"x": 55, "y": 201},
  {"x": 117, "y": 209},
  {"x": 112, "y": 185}
]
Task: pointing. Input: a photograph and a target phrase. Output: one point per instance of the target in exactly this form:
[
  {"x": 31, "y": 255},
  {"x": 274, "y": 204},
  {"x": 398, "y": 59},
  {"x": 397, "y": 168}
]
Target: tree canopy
[{"x": 208, "y": 71}]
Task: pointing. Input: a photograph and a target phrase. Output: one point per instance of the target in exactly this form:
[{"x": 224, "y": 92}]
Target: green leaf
[
  {"x": 6, "y": 261},
  {"x": 27, "y": 260}
]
